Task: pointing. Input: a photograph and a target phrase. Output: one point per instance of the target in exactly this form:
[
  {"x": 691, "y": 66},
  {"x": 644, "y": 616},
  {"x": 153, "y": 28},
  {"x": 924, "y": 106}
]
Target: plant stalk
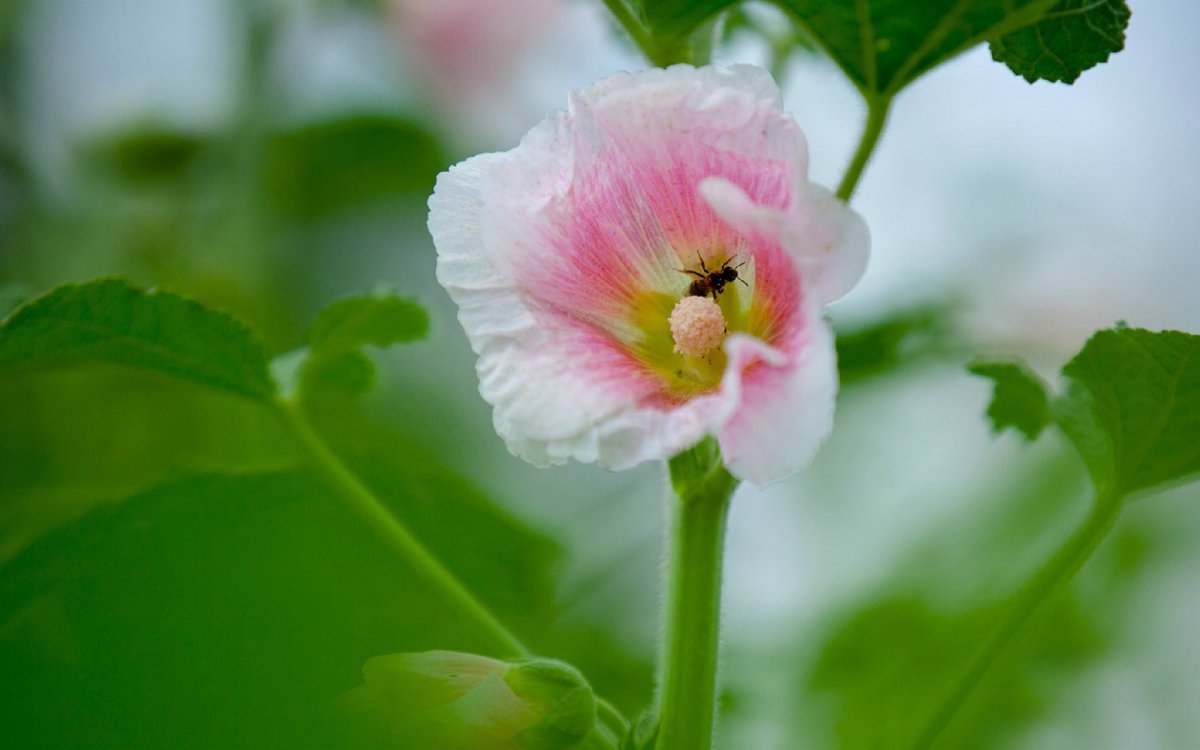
[
  {"x": 877, "y": 114},
  {"x": 1054, "y": 573},
  {"x": 688, "y": 688},
  {"x": 658, "y": 55},
  {"x": 363, "y": 502}
]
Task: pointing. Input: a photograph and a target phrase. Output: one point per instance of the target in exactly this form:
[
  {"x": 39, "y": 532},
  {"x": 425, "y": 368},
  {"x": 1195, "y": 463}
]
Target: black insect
[{"x": 712, "y": 282}]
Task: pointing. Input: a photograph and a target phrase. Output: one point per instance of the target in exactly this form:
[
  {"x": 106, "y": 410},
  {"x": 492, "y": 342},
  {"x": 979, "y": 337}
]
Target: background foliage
[{"x": 175, "y": 573}]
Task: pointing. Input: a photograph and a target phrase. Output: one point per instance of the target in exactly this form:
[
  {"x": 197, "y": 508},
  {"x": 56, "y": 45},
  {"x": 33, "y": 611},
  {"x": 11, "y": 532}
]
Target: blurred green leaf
[
  {"x": 227, "y": 610},
  {"x": 378, "y": 319},
  {"x": 146, "y": 155},
  {"x": 340, "y": 331},
  {"x": 1074, "y": 36},
  {"x": 337, "y": 336},
  {"x": 883, "y": 45},
  {"x": 11, "y": 297},
  {"x": 1132, "y": 408},
  {"x": 887, "y": 663},
  {"x": 1018, "y": 398},
  {"x": 893, "y": 662},
  {"x": 110, "y": 321},
  {"x": 353, "y": 372},
  {"x": 501, "y": 562},
  {"x": 899, "y": 338},
  {"x": 83, "y": 437},
  {"x": 317, "y": 170}
]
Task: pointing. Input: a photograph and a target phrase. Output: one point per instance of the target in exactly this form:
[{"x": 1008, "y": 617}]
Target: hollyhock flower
[
  {"x": 469, "y": 45},
  {"x": 579, "y": 261},
  {"x": 470, "y": 58}
]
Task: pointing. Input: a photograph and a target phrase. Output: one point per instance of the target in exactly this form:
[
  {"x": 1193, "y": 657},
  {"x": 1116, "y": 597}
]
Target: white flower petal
[{"x": 833, "y": 242}]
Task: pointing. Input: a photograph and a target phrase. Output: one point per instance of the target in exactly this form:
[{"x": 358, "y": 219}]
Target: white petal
[{"x": 832, "y": 239}]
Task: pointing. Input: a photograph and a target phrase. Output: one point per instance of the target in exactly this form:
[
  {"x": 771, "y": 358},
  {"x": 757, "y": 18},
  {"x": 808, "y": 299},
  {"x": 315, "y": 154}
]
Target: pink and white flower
[
  {"x": 471, "y": 58},
  {"x": 569, "y": 257}
]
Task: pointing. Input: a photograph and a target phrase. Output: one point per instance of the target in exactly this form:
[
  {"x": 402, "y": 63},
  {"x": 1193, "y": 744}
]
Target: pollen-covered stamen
[{"x": 698, "y": 326}]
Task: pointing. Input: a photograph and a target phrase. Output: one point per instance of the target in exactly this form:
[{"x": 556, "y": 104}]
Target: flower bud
[
  {"x": 446, "y": 700},
  {"x": 561, "y": 697}
]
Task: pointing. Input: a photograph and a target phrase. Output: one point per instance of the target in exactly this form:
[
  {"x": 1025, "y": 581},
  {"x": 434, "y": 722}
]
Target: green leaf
[
  {"x": 379, "y": 319},
  {"x": 318, "y": 170},
  {"x": 227, "y": 610},
  {"x": 12, "y": 296},
  {"x": 352, "y": 372},
  {"x": 1019, "y": 398},
  {"x": 337, "y": 335},
  {"x": 1132, "y": 408},
  {"x": 883, "y": 345},
  {"x": 888, "y": 663},
  {"x": 883, "y": 45},
  {"x": 111, "y": 321},
  {"x": 893, "y": 662},
  {"x": 1074, "y": 36},
  {"x": 87, "y": 436},
  {"x": 146, "y": 155}
]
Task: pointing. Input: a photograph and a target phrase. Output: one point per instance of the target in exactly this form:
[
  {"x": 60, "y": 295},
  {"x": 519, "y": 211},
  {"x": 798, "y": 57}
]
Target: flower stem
[
  {"x": 688, "y": 688},
  {"x": 397, "y": 536},
  {"x": 877, "y": 113},
  {"x": 1058, "y": 569},
  {"x": 644, "y": 39},
  {"x": 633, "y": 26}
]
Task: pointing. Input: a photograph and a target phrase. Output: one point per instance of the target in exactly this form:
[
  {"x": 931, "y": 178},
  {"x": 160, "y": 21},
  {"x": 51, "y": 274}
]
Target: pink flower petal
[{"x": 784, "y": 407}]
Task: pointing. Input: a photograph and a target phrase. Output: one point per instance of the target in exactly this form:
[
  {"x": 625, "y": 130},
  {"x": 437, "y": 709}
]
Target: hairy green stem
[
  {"x": 364, "y": 502},
  {"x": 688, "y": 687},
  {"x": 877, "y": 113},
  {"x": 1057, "y": 570}
]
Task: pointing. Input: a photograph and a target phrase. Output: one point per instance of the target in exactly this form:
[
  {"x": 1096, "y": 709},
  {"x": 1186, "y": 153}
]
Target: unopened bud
[
  {"x": 445, "y": 700},
  {"x": 562, "y": 698}
]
